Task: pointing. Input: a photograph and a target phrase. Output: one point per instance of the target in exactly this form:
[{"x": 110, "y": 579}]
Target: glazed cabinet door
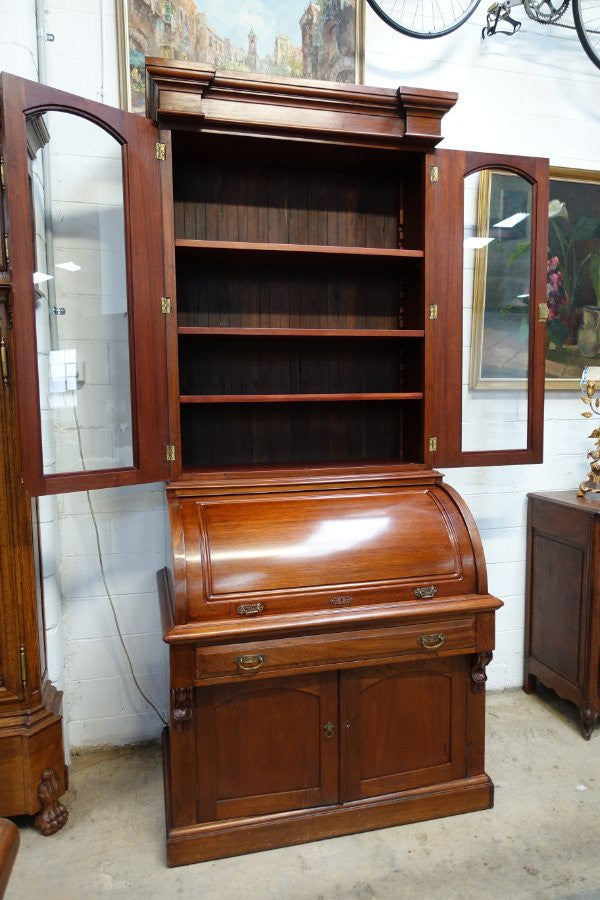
[
  {"x": 84, "y": 262},
  {"x": 267, "y": 746},
  {"x": 403, "y": 727},
  {"x": 486, "y": 289}
]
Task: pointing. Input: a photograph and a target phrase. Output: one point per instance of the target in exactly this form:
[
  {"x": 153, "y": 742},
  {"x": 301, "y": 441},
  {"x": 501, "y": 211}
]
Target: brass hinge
[
  {"x": 433, "y": 311},
  {"x": 161, "y": 151},
  {"x": 432, "y": 444},
  {"x": 23, "y": 664},
  {"x": 170, "y": 452},
  {"x": 6, "y": 253},
  {"x": 2, "y": 181},
  {"x": 434, "y": 174},
  {"x": 543, "y": 312},
  {"x": 165, "y": 306}
]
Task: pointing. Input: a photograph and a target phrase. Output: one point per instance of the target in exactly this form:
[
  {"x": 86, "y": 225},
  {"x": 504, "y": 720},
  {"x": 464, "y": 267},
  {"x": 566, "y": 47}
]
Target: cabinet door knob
[
  {"x": 329, "y": 728},
  {"x": 251, "y": 662},
  {"x": 431, "y": 641}
]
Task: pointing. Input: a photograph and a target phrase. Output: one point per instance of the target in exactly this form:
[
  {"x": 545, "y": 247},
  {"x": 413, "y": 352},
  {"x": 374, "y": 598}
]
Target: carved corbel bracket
[
  {"x": 478, "y": 673},
  {"x": 53, "y": 814},
  {"x": 182, "y": 704}
]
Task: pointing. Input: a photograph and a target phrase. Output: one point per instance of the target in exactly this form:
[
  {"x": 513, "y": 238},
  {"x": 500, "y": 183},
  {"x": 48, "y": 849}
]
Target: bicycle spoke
[{"x": 424, "y": 18}]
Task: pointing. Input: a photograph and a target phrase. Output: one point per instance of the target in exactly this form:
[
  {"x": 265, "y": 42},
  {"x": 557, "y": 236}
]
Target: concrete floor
[{"x": 540, "y": 841}]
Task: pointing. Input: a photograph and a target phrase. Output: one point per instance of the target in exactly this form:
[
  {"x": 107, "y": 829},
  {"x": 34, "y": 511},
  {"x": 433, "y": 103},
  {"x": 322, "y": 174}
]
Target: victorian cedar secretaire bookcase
[{"x": 293, "y": 274}]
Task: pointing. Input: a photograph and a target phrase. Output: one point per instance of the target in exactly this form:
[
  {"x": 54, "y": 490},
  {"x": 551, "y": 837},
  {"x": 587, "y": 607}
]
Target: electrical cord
[{"x": 105, "y": 582}]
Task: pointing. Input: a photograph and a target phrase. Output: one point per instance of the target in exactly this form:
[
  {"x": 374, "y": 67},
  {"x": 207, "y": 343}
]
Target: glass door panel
[
  {"x": 84, "y": 205},
  {"x": 497, "y": 290},
  {"x": 485, "y": 276},
  {"x": 80, "y": 284}
]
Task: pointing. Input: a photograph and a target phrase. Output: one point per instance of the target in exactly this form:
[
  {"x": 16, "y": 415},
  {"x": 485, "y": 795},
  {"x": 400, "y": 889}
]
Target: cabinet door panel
[
  {"x": 488, "y": 280},
  {"x": 403, "y": 726},
  {"x": 86, "y": 269},
  {"x": 264, "y": 747}
]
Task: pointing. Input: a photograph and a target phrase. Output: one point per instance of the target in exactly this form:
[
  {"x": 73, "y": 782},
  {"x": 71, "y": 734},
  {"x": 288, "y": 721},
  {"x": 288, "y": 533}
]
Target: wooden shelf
[
  {"x": 308, "y": 252},
  {"x": 296, "y": 398},
  {"x": 225, "y": 331}
]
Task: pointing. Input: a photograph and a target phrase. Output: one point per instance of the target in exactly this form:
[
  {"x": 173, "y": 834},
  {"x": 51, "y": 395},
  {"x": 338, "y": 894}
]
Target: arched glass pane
[
  {"x": 82, "y": 321},
  {"x": 497, "y": 266}
]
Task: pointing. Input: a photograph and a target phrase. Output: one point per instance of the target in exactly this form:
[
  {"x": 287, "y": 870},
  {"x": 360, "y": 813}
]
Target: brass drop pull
[
  {"x": 4, "y": 362},
  {"x": 431, "y": 641},
  {"x": 329, "y": 728},
  {"x": 251, "y": 662}
]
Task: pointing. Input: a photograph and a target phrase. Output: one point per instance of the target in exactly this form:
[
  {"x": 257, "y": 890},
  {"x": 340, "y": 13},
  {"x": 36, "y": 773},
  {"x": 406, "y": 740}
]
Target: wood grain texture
[
  {"x": 371, "y": 545},
  {"x": 325, "y": 111},
  {"x": 9, "y": 844},
  {"x": 384, "y": 708},
  {"x": 562, "y": 635}
]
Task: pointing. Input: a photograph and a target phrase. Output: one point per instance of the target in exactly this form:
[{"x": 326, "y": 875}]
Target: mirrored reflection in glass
[
  {"x": 497, "y": 269},
  {"x": 80, "y": 286}
]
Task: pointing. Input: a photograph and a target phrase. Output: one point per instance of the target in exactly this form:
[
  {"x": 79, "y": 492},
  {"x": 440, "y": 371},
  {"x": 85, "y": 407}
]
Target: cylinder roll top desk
[{"x": 294, "y": 290}]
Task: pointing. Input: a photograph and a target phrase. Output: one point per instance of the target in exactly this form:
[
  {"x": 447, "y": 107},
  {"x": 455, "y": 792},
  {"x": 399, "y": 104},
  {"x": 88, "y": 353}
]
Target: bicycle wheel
[
  {"x": 424, "y": 18},
  {"x": 587, "y": 22}
]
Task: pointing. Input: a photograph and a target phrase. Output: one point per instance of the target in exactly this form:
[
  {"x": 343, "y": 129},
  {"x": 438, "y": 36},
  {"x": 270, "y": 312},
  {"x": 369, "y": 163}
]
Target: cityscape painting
[{"x": 315, "y": 39}]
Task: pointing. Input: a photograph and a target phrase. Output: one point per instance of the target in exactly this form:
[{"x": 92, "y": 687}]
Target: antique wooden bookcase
[{"x": 295, "y": 265}]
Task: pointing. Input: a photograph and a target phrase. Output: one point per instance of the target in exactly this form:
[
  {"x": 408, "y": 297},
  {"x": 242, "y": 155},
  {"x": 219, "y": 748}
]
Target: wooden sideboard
[{"x": 562, "y": 630}]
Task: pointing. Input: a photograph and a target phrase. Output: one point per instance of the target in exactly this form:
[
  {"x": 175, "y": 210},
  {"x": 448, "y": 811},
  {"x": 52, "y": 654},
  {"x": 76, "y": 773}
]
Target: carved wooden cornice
[{"x": 184, "y": 93}]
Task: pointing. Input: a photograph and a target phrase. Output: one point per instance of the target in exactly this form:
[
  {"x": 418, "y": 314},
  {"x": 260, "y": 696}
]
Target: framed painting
[
  {"x": 499, "y": 334},
  {"x": 297, "y": 38}
]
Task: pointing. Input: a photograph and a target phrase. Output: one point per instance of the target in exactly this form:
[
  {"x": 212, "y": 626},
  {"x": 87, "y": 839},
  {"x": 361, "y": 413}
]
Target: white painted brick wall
[{"x": 533, "y": 94}]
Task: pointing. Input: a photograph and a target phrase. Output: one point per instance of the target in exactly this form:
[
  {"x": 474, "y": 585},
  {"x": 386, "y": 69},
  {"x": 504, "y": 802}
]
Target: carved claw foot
[
  {"x": 53, "y": 814},
  {"x": 588, "y": 720}
]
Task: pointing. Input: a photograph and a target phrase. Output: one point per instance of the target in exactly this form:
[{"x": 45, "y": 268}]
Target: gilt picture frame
[
  {"x": 573, "y": 283},
  {"x": 292, "y": 39}
]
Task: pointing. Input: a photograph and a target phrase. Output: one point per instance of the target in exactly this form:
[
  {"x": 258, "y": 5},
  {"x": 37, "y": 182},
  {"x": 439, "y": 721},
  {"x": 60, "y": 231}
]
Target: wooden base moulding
[{"x": 216, "y": 840}]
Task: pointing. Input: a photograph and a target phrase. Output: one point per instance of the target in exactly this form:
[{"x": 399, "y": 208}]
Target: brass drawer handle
[
  {"x": 252, "y": 662},
  {"x": 431, "y": 641},
  {"x": 425, "y": 593}
]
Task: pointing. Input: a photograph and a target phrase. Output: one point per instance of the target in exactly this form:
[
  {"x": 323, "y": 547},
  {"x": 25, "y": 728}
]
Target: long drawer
[{"x": 341, "y": 649}]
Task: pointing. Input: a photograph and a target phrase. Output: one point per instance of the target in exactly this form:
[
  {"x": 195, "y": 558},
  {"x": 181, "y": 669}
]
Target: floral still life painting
[
  {"x": 501, "y": 302},
  {"x": 315, "y": 39},
  {"x": 573, "y": 279}
]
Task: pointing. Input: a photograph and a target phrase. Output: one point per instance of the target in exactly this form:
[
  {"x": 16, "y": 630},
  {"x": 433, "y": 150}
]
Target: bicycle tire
[
  {"x": 586, "y": 14},
  {"x": 436, "y": 17}
]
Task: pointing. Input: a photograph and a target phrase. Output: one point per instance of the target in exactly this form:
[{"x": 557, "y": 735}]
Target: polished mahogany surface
[
  {"x": 293, "y": 551},
  {"x": 329, "y": 632},
  {"x": 9, "y": 844}
]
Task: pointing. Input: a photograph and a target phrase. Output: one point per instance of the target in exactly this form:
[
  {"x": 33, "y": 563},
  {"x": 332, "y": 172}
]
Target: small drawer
[{"x": 338, "y": 650}]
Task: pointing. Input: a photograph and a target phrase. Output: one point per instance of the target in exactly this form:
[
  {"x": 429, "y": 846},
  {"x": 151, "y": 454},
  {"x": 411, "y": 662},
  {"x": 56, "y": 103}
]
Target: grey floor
[{"x": 541, "y": 840}]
